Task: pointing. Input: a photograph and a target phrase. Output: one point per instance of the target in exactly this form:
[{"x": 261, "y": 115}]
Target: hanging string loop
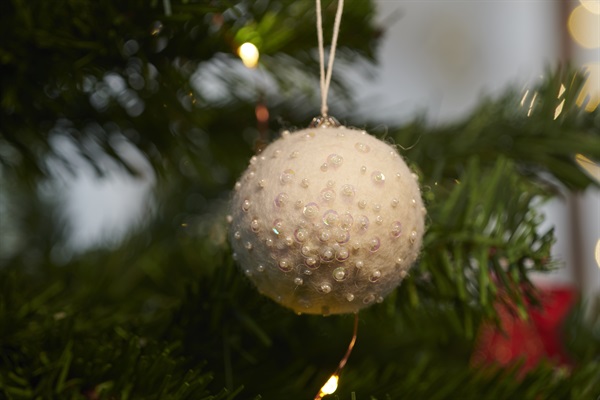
[{"x": 325, "y": 78}]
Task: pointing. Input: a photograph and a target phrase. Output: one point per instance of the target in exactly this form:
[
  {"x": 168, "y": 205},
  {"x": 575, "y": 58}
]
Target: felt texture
[{"x": 327, "y": 220}]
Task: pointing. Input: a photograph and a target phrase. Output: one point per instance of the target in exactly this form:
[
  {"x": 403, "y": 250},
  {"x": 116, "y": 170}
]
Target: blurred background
[
  {"x": 443, "y": 57},
  {"x": 437, "y": 58},
  {"x": 124, "y": 125}
]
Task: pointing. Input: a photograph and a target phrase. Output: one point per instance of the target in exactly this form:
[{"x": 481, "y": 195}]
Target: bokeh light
[
  {"x": 584, "y": 27},
  {"x": 262, "y": 113},
  {"x": 329, "y": 387},
  {"x": 249, "y": 54},
  {"x": 592, "y": 6},
  {"x": 590, "y": 91}
]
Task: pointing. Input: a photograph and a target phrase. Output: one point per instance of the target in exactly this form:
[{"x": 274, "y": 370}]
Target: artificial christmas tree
[{"x": 166, "y": 313}]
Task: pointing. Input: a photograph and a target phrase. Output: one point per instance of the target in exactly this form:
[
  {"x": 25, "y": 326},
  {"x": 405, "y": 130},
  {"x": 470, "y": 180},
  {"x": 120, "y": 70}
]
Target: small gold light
[
  {"x": 329, "y": 387},
  {"x": 249, "y": 54},
  {"x": 332, "y": 383}
]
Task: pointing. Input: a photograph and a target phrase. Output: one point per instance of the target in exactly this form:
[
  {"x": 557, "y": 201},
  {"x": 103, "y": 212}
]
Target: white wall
[{"x": 443, "y": 55}]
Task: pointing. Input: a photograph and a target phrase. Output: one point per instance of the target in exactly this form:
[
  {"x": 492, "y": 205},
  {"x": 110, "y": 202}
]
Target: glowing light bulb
[
  {"x": 249, "y": 54},
  {"x": 329, "y": 387},
  {"x": 332, "y": 383}
]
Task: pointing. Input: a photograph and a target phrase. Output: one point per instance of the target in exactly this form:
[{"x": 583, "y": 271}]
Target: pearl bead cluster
[{"x": 327, "y": 231}]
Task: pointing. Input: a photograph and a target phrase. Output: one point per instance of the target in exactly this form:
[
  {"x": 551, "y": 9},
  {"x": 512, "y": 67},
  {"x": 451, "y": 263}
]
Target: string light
[
  {"x": 329, "y": 387},
  {"x": 332, "y": 383},
  {"x": 249, "y": 54}
]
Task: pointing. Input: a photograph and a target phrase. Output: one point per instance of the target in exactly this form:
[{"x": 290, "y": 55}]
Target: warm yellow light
[
  {"x": 561, "y": 91},
  {"x": 524, "y": 97},
  {"x": 598, "y": 253},
  {"x": 592, "y": 168},
  {"x": 592, "y": 6},
  {"x": 330, "y": 386},
  {"x": 559, "y": 109},
  {"x": 249, "y": 54},
  {"x": 532, "y": 104},
  {"x": 590, "y": 91},
  {"x": 584, "y": 27}
]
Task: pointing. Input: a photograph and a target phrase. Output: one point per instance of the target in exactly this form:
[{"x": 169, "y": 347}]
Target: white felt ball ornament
[{"x": 327, "y": 220}]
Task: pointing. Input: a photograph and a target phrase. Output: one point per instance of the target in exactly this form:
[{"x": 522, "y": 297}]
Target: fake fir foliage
[{"x": 165, "y": 314}]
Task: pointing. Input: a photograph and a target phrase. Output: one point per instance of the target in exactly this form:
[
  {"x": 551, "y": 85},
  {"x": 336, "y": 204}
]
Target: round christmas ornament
[{"x": 327, "y": 220}]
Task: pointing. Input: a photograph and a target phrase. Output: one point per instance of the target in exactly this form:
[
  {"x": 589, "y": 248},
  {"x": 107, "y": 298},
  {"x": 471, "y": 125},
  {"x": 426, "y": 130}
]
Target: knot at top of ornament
[
  {"x": 327, "y": 220},
  {"x": 324, "y": 121}
]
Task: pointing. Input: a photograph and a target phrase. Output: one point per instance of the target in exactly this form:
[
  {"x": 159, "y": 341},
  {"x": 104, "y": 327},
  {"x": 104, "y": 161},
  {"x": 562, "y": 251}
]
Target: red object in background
[{"x": 531, "y": 341}]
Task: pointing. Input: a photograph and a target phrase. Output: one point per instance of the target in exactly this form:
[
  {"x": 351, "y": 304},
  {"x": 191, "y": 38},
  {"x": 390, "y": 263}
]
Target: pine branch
[
  {"x": 537, "y": 129},
  {"x": 127, "y": 69}
]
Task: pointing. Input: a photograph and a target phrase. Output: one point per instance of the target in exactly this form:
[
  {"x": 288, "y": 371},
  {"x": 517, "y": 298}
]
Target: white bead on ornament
[{"x": 327, "y": 220}]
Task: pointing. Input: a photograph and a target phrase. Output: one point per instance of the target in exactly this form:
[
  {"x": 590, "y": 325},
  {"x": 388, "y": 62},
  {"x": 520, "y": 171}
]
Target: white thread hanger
[{"x": 325, "y": 78}]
